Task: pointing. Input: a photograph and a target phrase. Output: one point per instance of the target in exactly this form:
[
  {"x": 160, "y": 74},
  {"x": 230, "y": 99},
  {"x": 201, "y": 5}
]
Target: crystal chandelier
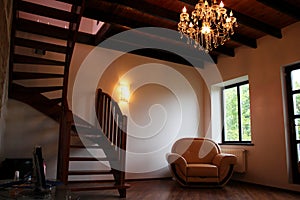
[{"x": 208, "y": 26}]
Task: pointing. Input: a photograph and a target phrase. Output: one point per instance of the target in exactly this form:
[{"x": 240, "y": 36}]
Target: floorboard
[{"x": 168, "y": 189}]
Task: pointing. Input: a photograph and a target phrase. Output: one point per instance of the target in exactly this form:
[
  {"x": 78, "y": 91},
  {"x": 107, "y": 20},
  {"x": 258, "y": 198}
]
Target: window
[
  {"x": 236, "y": 113},
  {"x": 293, "y": 103}
]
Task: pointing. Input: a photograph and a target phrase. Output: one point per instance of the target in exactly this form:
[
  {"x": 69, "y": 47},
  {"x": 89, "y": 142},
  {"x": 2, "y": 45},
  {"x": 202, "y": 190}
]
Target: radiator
[{"x": 240, "y": 167}]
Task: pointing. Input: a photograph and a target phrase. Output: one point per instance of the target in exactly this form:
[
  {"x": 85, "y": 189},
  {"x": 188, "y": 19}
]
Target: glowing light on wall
[{"x": 124, "y": 92}]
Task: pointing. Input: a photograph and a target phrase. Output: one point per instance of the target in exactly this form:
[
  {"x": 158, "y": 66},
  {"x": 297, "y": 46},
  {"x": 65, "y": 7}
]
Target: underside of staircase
[{"x": 39, "y": 70}]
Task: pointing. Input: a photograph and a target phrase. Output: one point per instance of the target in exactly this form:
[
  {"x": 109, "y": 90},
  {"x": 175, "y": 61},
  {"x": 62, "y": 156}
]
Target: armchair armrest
[
  {"x": 224, "y": 159},
  {"x": 175, "y": 158},
  {"x": 178, "y": 160}
]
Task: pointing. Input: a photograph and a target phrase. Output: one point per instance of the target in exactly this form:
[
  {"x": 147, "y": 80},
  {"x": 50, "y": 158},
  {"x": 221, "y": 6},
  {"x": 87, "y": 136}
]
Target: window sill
[{"x": 237, "y": 143}]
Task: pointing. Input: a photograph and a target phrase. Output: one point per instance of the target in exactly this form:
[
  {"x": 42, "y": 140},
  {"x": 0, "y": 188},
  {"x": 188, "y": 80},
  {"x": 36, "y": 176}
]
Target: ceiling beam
[
  {"x": 166, "y": 56},
  {"x": 244, "y": 40},
  {"x": 159, "y": 54},
  {"x": 102, "y": 33},
  {"x": 116, "y": 28},
  {"x": 142, "y": 38},
  {"x": 108, "y": 17},
  {"x": 283, "y": 7},
  {"x": 225, "y": 50},
  {"x": 248, "y": 21}
]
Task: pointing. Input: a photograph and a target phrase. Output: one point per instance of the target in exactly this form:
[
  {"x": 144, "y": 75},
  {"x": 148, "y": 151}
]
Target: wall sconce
[{"x": 124, "y": 93}]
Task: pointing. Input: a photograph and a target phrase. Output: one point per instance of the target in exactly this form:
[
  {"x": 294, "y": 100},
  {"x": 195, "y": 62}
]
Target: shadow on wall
[{"x": 26, "y": 128}]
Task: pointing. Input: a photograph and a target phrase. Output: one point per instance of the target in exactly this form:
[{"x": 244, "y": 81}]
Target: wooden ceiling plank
[
  {"x": 45, "y": 11},
  {"x": 106, "y": 16},
  {"x": 283, "y": 7},
  {"x": 257, "y": 24},
  {"x": 190, "y": 2},
  {"x": 146, "y": 7}
]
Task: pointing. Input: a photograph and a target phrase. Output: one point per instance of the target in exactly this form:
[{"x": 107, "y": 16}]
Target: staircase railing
[
  {"x": 114, "y": 126},
  {"x": 66, "y": 118}
]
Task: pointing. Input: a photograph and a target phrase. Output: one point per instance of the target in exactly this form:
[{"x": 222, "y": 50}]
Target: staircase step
[
  {"x": 42, "y": 29},
  {"x": 78, "y": 2},
  {"x": 108, "y": 149},
  {"x": 77, "y": 146},
  {"x": 90, "y": 182},
  {"x": 22, "y": 89},
  {"x": 31, "y": 75},
  {"x": 42, "y": 89},
  {"x": 95, "y": 187},
  {"x": 89, "y": 159},
  {"x": 23, "y": 59},
  {"x": 92, "y": 141},
  {"x": 84, "y": 130},
  {"x": 39, "y": 45},
  {"x": 55, "y": 101},
  {"x": 45, "y": 89},
  {"x": 45, "y": 11},
  {"x": 90, "y": 172}
]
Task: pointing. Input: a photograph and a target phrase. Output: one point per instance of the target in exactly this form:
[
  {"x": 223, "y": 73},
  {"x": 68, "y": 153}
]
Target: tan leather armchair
[{"x": 199, "y": 162}]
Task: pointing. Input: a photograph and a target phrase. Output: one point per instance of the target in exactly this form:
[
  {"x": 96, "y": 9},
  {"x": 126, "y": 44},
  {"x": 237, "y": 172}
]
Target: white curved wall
[{"x": 165, "y": 104}]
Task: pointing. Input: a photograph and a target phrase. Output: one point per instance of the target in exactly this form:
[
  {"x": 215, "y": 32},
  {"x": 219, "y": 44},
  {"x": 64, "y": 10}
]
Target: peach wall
[{"x": 267, "y": 160}]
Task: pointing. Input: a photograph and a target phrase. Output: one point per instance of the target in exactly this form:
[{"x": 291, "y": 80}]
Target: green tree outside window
[{"x": 236, "y": 109}]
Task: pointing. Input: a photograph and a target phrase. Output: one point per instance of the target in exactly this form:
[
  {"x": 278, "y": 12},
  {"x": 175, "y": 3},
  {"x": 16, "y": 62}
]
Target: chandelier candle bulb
[
  {"x": 222, "y": 4},
  {"x": 184, "y": 16},
  {"x": 209, "y": 25}
]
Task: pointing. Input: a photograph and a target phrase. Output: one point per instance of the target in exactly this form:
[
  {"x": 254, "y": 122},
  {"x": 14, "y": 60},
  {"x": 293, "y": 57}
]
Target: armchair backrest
[{"x": 196, "y": 150}]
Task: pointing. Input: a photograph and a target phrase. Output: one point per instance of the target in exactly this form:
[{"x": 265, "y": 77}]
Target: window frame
[
  {"x": 291, "y": 116},
  {"x": 239, "y": 141}
]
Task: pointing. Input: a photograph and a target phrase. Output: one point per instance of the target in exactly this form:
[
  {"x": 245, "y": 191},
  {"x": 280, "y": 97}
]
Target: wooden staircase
[
  {"x": 110, "y": 140},
  {"x": 39, "y": 70}
]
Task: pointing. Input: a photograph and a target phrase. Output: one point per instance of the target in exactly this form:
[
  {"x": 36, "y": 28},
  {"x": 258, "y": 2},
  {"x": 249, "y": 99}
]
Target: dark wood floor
[{"x": 169, "y": 190}]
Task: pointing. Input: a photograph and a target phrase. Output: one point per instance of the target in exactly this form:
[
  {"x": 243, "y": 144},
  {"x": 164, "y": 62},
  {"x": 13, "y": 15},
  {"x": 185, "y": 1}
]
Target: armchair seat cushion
[{"x": 202, "y": 170}]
